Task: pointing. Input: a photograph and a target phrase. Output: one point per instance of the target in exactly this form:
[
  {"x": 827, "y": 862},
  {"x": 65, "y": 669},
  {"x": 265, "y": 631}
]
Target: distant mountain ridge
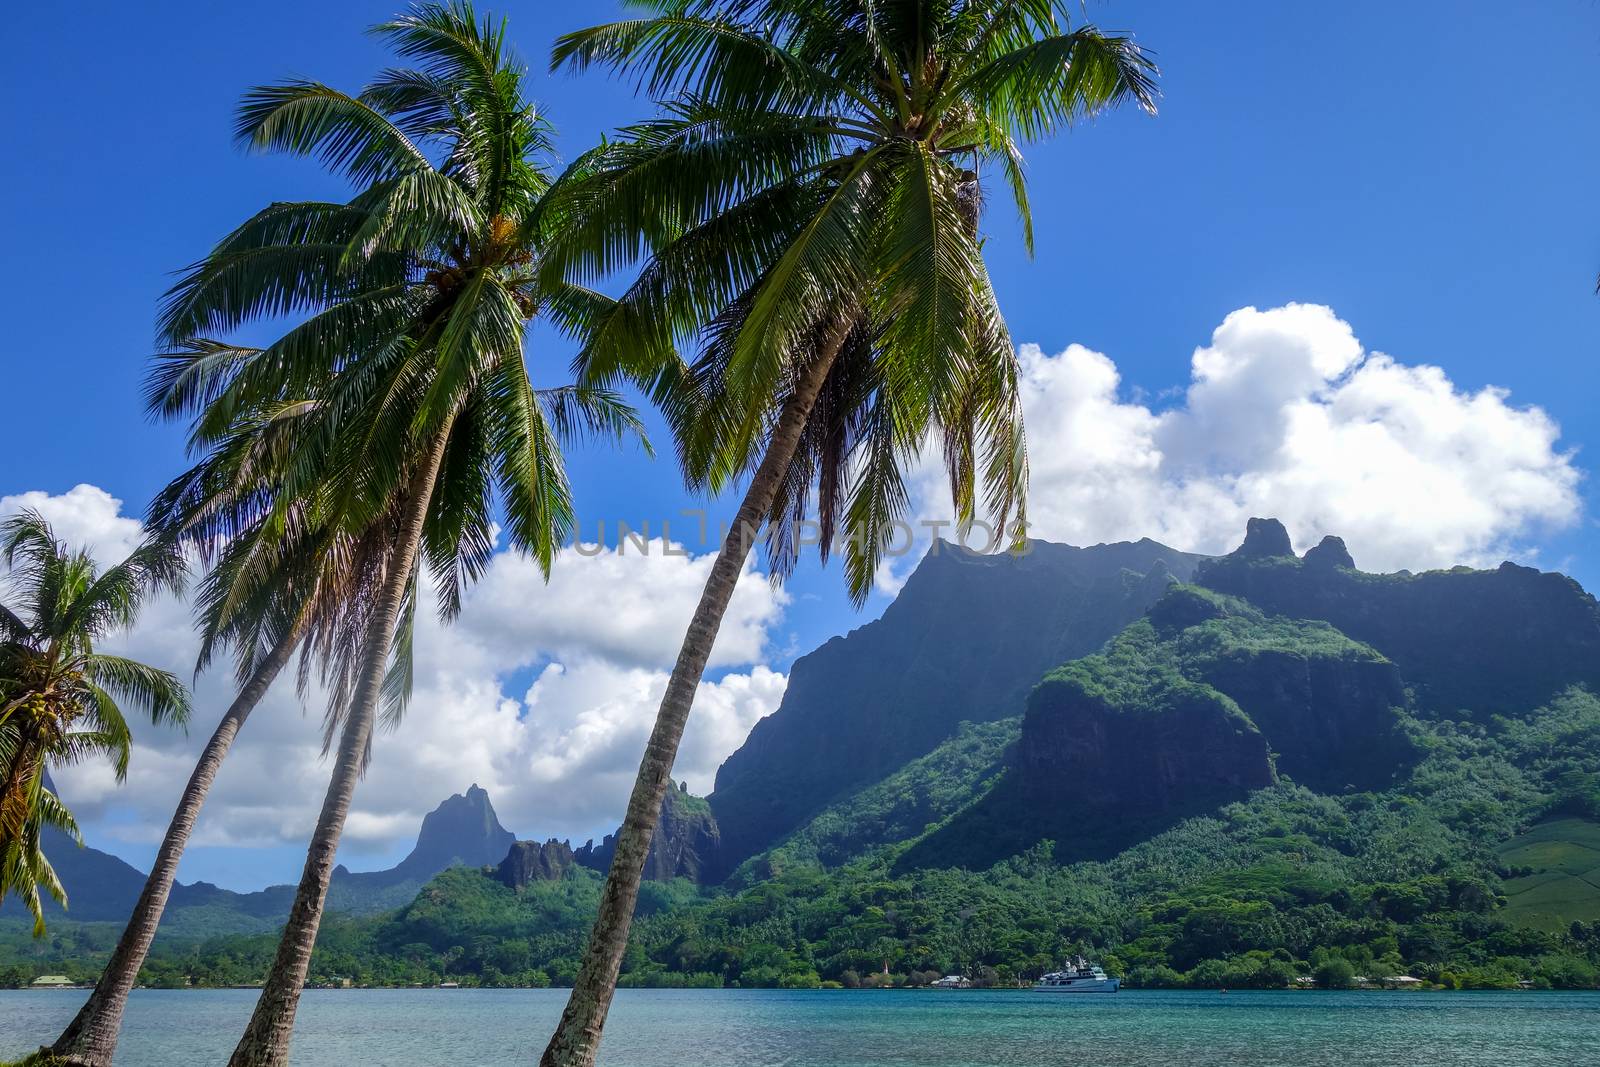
[{"x": 462, "y": 831}]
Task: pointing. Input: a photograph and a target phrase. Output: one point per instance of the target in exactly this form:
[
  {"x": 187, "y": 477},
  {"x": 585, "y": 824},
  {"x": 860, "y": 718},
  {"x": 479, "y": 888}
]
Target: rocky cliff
[
  {"x": 1475, "y": 641},
  {"x": 1202, "y": 701},
  {"x": 1330, "y": 706},
  {"x": 529, "y": 861},
  {"x": 462, "y": 831},
  {"x": 1332, "y": 720},
  {"x": 966, "y": 639},
  {"x": 1160, "y": 747},
  {"x": 687, "y": 844}
]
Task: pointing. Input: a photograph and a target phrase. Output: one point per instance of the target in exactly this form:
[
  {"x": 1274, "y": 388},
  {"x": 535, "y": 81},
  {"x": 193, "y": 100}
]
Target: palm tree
[
  {"x": 810, "y": 201},
  {"x": 60, "y": 699},
  {"x": 274, "y": 586},
  {"x": 417, "y": 425}
]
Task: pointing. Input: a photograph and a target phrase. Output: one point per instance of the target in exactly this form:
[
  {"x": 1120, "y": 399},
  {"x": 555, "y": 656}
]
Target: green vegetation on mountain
[
  {"x": 1182, "y": 711},
  {"x": 901, "y": 807},
  {"x": 1221, "y": 796},
  {"x": 964, "y": 641},
  {"x": 1422, "y": 878},
  {"x": 1562, "y": 859}
]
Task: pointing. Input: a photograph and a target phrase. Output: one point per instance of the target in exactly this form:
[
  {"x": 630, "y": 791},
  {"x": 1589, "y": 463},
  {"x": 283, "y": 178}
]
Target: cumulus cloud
[
  {"x": 544, "y": 694},
  {"x": 628, "y": 605},
  {"x": 592, "y": 651},
  {"x": 85, "y": 516},
  {"x": 1286, "y": 414},
  {"x": 535, "y": 693}
]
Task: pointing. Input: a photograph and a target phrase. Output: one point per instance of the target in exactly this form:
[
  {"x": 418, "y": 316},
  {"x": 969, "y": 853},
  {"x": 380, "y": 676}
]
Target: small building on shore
[{"x": 52, "y": 981}]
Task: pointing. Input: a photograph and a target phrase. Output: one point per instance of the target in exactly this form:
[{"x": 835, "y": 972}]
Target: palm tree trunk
[
  {"x": 577, "y": 1038},
  {"x": 266, "y": 1039},
  {"x": 91, "y": 1038}
]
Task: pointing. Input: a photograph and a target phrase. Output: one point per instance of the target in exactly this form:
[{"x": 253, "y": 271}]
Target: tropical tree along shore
[
  {"x": 274, "y": 586},
  {"x": 810, "y": 199},
  {"x": 61, "y": 699},
  {"x": 410, "y": 420},
  {"x": 422, "y": 293}
]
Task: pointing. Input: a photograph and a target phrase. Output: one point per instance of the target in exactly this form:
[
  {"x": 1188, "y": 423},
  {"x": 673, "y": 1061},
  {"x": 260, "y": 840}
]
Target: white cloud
[
  {"x": 544, "y": 694},
  {"x": 583, "y": 728},
  {"x": 85, "y": 516},
  {"x": 557, "y": 756},
  {"x": 628, "y": 605},
  {"x": 1286, "y": 415}
]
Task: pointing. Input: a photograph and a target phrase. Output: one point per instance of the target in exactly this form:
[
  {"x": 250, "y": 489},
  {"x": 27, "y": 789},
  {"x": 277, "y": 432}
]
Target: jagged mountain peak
[
  {"x": 687, "y": 842},
  {"x": 1330, "y": 552},
  {"x": 1496, "y": 641},
  {"x": 1265, "y": 538},
  {"x": 463, "y": 829}
]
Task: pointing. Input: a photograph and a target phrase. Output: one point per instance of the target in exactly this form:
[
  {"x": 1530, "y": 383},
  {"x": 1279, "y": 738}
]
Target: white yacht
[{"x": 1079, "y": 976}]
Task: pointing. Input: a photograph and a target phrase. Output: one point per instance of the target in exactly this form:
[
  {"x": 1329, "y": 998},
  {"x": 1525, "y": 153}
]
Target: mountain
[
  {"x": 100, "y": 886},
  {"x": 687, "y": 842},
  {"x": 462, "y": 830},
  {"x": 964, "y": 641},
  {"x": 1481, "y": 641},
  {"x": 1283, "y": 766},
  {"x": 1198, "y": 704}
]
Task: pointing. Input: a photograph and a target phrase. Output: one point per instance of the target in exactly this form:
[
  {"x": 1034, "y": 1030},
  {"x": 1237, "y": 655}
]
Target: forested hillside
[
  {"x": 964, "y": 641},
  {"x": 1287, "y": 768}
]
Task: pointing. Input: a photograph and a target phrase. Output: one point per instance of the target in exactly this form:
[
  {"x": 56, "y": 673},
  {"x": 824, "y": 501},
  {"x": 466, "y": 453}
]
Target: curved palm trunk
[
  {"x": 266, "y": 1039},
  {"x": 577, "y": 1038},
  {"x": 91, "y": 1038}
]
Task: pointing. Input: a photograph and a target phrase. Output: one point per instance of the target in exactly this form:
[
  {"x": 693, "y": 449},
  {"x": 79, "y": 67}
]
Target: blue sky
[{"x": 1424, "y": 170}]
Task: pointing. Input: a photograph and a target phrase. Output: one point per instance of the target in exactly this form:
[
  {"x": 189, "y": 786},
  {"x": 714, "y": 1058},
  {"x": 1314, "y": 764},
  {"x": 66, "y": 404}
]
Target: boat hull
[{"x": 1091, "y": 985}]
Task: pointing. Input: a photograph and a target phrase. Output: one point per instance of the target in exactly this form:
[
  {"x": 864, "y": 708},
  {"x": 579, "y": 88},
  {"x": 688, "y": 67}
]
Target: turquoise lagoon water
[{"x": 865, "y": 1028}]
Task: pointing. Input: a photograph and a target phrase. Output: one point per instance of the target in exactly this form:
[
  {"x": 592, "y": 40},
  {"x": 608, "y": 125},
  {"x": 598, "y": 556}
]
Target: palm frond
[
  {"x": 160, "y": 694},
  {"x": 1032, "y": 90},
  {"x": 346, "y": 133}
]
